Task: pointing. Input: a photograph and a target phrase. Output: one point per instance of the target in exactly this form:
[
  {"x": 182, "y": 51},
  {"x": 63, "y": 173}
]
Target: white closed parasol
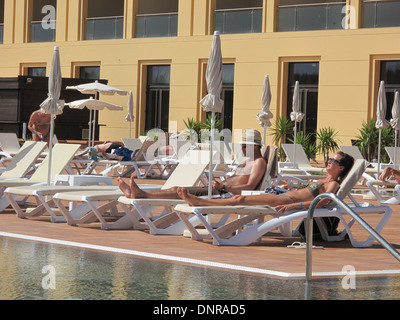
[
  {"x": 381, "y": 122},
  {"x": 212, "y": 102},
  {"x": 265, "y": 115},
  {"x": 53, "y": 105},
  {"x": 297, "y": 116}
]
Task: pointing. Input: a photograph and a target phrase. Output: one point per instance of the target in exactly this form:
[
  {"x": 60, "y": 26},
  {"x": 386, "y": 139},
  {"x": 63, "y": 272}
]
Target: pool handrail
[{"x": 354, "y": 215}]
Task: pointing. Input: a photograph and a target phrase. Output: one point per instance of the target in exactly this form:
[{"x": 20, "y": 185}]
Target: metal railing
[
  {"x": 157, "y": 25},
  {"x": 238, "y": 20},
  {"x": 354, "y": 215},
  {"x": 101, "y": 28},
  {"x": 40, "y": 34},
  {"x": 313, "y": 16}
]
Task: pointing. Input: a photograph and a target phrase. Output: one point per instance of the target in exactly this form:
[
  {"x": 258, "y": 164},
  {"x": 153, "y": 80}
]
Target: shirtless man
[
  {"x": 247, "y": 176},
  {"x": 39, "y": 125}
]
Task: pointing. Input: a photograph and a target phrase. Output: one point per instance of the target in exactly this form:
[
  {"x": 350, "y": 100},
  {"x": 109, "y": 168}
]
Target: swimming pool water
[{"x": 92, "y": 275}]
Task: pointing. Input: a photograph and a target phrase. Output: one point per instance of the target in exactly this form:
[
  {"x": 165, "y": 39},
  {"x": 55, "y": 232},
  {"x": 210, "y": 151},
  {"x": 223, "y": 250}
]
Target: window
[
  {"x": 105, "y": 19},
  {"x": 390, "y": 73},
  {"x": 379, "y": 14},
  {"x": 89, "y": 72},
  {"x": 43, "y": 22},
  {"x": 157, "y": 97},
  {"x": 36, "y": 71},
  {"x": 307, "y": 73},
  {"x": 157, "y": 18},
  {"x": 238, "y": 16},
  {"x": 310, "y": 15}
]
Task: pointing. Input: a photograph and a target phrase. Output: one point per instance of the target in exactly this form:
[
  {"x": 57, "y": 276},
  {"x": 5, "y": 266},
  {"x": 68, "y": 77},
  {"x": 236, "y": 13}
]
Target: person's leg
[
  {"x": 133, "y": 191},
  {"x": 263, "y": 199},
  {"x": 193, "y": 200}
]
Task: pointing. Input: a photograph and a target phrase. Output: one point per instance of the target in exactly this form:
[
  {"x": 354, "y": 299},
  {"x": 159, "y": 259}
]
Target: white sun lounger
[
  {"x": 394, "y": 154},
  {"x": 99, "y": 202},
  {"x": 301, "y": 160},
  {"x": 61, "y": 157},
  {"x": 396, "y": 197},
  {"x": 143, "y": 163},
  {"x": 377, "y": 188},
  {"x": 93, "y": 208},
  {"x": 132, "y": 144},
  {"x": 43, "y": 195},
  {"x": 233, "y": 233},
  {"x": 188, "y": 173},
  {"x": 355, "y": 152},
  {"x": 304, "y": 170},
  {"x": 23, "y": 161},
  {"x": 168, "y": 222},
  {"x": 9, "y": 144}
]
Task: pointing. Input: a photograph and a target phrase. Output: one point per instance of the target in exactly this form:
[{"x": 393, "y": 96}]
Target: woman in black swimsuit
[{"x": 337, "y": 168}]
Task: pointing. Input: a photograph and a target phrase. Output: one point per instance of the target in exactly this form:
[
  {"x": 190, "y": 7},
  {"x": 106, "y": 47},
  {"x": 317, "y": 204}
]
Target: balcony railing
[
  {"x": 157, "y": 25},
  {"x": 303, "y": 17},
  {"x": 243, "y": 20},
  {"x": 40, "y": 34},
  {"x": 381, "y": 14},
  {"x": 102, "y": 28}
]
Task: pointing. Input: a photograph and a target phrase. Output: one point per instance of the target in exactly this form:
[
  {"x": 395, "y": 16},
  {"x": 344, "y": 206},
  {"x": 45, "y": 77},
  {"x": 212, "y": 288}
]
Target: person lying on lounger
[
  {"x": 337, "y": 168},
  {"x": 247, "y": 176},
  {"x": 113, "y": 150}
]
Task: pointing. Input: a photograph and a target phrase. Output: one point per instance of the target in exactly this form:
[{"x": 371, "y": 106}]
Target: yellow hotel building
[{"x": 339, "y": 51}]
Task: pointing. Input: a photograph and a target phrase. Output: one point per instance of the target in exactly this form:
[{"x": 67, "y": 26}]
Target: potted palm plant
[
  {"x": 368, "y": 139},
  {"x": 281, "y": 130},
  {"x": 326, "y": 142}
]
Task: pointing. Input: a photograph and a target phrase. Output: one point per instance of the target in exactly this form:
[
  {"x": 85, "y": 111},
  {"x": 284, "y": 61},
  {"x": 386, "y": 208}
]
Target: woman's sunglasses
[{"x": 332, "y": 160}]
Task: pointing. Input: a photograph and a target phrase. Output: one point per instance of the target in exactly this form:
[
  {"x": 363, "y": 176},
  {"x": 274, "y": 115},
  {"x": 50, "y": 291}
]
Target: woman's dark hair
[{"x": 347, "y": 162}]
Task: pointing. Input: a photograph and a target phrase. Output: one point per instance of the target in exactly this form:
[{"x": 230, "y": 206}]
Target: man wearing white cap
[{"x": 247, "y": 176}]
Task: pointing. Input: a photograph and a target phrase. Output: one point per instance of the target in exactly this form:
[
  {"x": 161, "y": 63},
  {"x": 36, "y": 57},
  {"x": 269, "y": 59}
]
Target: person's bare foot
[
  {"x": 189, "y": 198},
  {"x": 136, "y": 192},
  {"x": 384, "y": 174},
  {"x": 387, "y": 172},
  {"x": 124, "y": 187}
]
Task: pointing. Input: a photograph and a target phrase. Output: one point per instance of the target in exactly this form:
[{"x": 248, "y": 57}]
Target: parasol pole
[
  {"x": 50, "y": 148},
  {"x": 210, "y": 166}
]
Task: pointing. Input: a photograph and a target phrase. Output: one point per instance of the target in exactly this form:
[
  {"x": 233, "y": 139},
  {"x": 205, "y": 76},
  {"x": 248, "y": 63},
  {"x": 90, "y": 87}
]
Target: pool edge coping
[{"x": 196, "y": 262}]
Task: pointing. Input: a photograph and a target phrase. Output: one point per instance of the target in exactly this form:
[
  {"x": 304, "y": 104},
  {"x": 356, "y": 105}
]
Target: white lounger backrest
[
  {"x": 301, "y": 157},
  {"x": 354, "y": 151},
  {"x": 62, "y": 154},
  {"x": 189, "y": 171},
  {"x": 352, "y": 178},
  {"x": 9, "y": 143},
  {"x": 132, "y": 144},
  {"x": 23, "y": 161}
]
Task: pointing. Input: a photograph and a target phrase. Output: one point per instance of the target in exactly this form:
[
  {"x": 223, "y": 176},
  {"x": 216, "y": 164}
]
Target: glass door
[
  {"x": 390, "y": 74},
  {"x": 157, "y": 110},
  {"x": 307, "y": 73},
  {"x": 157, "y": 98}
]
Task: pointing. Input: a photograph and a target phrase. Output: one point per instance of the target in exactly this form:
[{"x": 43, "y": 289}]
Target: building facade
[{"x": 339, "y": 51}]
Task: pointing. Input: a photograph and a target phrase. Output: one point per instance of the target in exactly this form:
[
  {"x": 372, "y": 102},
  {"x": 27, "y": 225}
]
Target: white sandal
[{"x": 302, "y": 245}]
